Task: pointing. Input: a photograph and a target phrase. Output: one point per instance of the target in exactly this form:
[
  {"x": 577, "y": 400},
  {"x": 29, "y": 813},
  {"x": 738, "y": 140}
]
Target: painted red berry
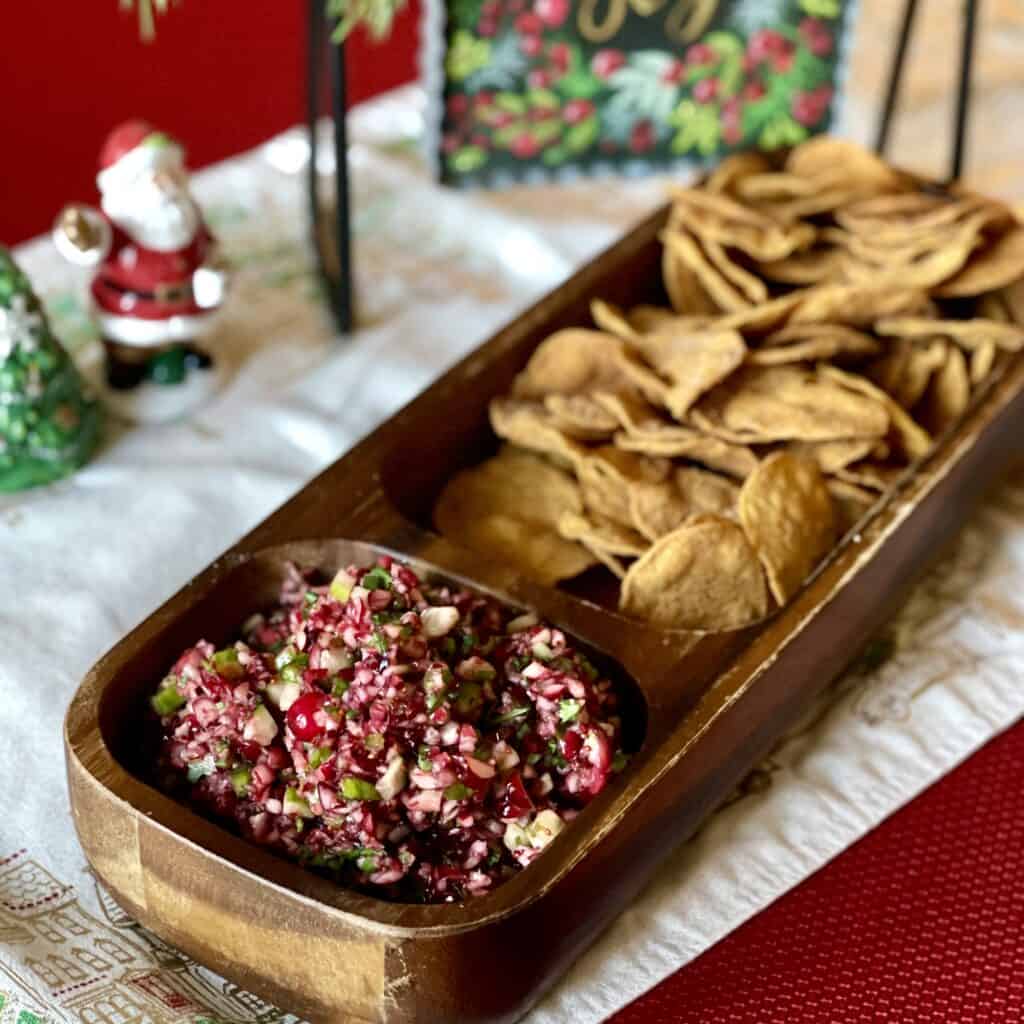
[
  {"x": 753, "y": 91},
  {"x": 642, "y": 137},
  {"x": 502, "y": 118},
  {"x": 699, "y": 54},
  {"x": 486, "y": 28},
  {"x": 674, "y": 73},
  {"x": 560, "y": 56},
  {"x": 807, "y": 108},
  {"x": 765, "y": 43},
  {"x": 302, "y": 716},
  {"x": 484, "y": 99},
  {"x": 481, "y": 141},
  {"x": 782, "y": 62},
  {"x": 606, "y": 62},
  {"x": 524, "y": 147},
  {"x": 450, "y": 143},
  {"x": 577, "y": 110},
  {"x": 531, "y": 45},
  {"x": 491, "y": 9},
  {"x": 539, "y": 78},
  {"x": 457, "y": 104},
  {"x": 528, "y": 24},
  {"x": 705, "y": 90},
  {"x": 552, "y": 12}
]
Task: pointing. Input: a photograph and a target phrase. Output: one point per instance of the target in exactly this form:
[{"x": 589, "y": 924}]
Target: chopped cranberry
[
  {"x": 302, "y": 716},
  {"x": 572, "y": 743},
  {"x": 515, "y": 801}
]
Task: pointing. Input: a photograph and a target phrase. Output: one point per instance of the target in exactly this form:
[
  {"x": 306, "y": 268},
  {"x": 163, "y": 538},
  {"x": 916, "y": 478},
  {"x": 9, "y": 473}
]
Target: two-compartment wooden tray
[{"x": 706, "y": 708}]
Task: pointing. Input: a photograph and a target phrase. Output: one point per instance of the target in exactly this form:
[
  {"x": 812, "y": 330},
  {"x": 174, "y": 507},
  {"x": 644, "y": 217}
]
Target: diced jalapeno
[
  {"x": 167, "y": 700},
  {"x": 358, "y": 789}
]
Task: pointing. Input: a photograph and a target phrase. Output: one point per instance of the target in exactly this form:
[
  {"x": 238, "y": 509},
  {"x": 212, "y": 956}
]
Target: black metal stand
[
  {"x": 336, "y": 272},
  {"x": 968, "y": 31}
]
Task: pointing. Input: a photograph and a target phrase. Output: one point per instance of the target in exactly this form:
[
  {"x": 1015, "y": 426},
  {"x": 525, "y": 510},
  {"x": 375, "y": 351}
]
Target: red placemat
[{"x": 922, "y": 920}]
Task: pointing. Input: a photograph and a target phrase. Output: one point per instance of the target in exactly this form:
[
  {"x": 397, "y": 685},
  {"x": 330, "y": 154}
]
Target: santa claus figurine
[{"x": 158, "y": 281}]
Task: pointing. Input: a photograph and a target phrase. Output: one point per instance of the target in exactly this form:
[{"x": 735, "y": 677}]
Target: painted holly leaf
[
  {"x": 698, "y": 127},
  {"x": 543, "y": 98},
  {"x": 467, "y": 159},
  {"x": 582, "y": 136},
  {"x": 821, "y": 8},
  {"x": 545, "y": 132},
  {"x": 505, "y": 68},
  {"x": 780, "y": 131},
  {"x": 809, "y": 71},
  {"x": 510, "y": 103},
  {"x": 641, "y": 89},
  {"x": 466, "y": 55},
  {"x": 555, "y": 155},
  {"x": 729, "y": 71},
  {"x": 579, "y": 82}
]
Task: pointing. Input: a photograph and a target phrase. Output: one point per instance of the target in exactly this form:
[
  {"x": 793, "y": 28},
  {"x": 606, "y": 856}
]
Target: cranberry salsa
[{"x": 417, "y": 741}]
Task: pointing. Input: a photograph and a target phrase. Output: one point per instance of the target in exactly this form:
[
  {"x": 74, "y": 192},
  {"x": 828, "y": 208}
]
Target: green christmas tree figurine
[{"x": 48, "y": 427}]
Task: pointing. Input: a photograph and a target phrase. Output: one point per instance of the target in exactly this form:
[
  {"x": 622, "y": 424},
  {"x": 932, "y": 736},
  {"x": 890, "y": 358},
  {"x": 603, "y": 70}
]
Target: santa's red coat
[{"x": 132, "y": 281}]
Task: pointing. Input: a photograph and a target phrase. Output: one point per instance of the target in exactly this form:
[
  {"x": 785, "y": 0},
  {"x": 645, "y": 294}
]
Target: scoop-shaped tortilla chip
[
  {"x": 599, "y": 533},
  {"x": 660, "y": 508},
  {"x": 787, "y": 515},
  {"x": 509, "y": 508},
  {"x": 528, "y": 425},
  {"x": 858, "y": 305},
  {"x": 969, "y": 334},
  {"x": 702, "y": 576},
  {"x": 571, "y": 361},
  {"x": 995, "y": 266}
]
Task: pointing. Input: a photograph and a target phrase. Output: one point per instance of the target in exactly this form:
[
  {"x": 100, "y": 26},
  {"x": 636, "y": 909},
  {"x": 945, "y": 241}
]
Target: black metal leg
[
  {"x": 963, "y": 93},
  {"x": 895, "y": 76},
  {"x": 338, "y": 286}
]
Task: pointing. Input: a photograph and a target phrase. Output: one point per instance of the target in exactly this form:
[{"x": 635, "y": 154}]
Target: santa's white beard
[{"x": 164, "y": 225}]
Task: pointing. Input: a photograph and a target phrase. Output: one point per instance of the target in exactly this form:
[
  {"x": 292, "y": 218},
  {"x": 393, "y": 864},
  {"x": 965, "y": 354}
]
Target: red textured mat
[{"x": 922, "y": 920}]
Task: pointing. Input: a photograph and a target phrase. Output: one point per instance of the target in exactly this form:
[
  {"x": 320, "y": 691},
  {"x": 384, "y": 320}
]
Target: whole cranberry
[
  {"x": 674, "y": 73},
  {"x": 528, "y": 24},
  {"x": 552, "y": 12},
  {"x": 560, "y": 56},
  {"x": 539, "y": 78},
  {"x": 753, "y": 90},
  {"x": 705, "y": 90},
  {"x": 699, "y": 54},
  {"x": 606, "y": 62},
  {"x": 302, "y": 716},
  {"x": 642, "y": 137},
  {"x": 577, "y": 110},
  {"x": 524, "y": 147},
  {"x": 531, "y": 46}
]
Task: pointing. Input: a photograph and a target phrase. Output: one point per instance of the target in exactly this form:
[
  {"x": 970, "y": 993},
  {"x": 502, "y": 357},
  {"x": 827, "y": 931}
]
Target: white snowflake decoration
[{"x": 17, "y": 327}]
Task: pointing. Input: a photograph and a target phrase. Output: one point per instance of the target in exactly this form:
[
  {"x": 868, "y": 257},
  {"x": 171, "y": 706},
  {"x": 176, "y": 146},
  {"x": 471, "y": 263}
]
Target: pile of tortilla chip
[{"x": 828, "y": 318}]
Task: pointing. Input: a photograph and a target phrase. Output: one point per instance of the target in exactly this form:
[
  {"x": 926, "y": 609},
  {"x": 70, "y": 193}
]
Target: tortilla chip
[
  {"x": 682, "y": 285},
  {"x": 644, "y": 318},
  {"x": 508, "y": 508},
  {"x": 787, "y": 403},
  {"x": 830, "y": 456},
  {"x": 752, "y": 288},
  {"x": 612, "y": 320},
  {"x": 949, "y": 394},
  {"x": 702, "y": 576},
  {"x": 907, "y": 368},
  {"x": 580, "y": 417},
  {"x": 1000, "y": 264},
  {"x": 571, "y": 361},
  {"x": 600, "y": 533},
  {"x": 761, "y": 319},
  {"x": 786, "y": 512},
  {"x": 630, "y": 411},
  {"x": 982, "y": 360},
  {"x": 606, "y": 476},
  {"x": 728, "y": 175},
  {"x": 969, "y": 334},
  {"x": 672, "y": 442},
  {"x": 871, "y": 476},
  {"x": 714, "y": 283},
  {"x": 817, "y": 265},
  {"x": 857, "y": 305},
  {"x": 692, "y": 361},
  {"x": 827, "y": 345},
  {"x": 658, "y": 509},
  {"x": 820, "y": 156},
  {"x": 530, "y": 426},
  {"x": 637, "y": 375},
  {"x": 850, "y": 503},
  {"x": 914, "y": 440}
]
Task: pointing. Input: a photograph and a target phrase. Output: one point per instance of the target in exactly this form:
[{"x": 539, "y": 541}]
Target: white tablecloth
[{"x": 84, "y": 560}]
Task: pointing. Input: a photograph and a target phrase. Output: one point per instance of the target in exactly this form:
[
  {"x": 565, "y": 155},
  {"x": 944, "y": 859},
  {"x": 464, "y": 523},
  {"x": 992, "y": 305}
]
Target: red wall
[{"x": 222, "y": 75}]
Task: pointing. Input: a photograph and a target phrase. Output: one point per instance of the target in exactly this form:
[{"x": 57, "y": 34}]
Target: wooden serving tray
[{"x": 705, "y": 708}]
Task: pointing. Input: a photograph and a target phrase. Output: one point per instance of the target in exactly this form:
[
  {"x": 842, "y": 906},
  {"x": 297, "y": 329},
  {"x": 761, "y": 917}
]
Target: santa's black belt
[{"x": 162, "y": 292}]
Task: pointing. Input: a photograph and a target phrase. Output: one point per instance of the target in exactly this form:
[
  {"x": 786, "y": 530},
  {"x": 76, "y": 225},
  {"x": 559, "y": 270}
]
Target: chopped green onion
[
  {"x": 374, "y": 741},
  {"x": 225, "y": 663},
  {"x": 511, "y": 716},
  {"x": 457, "y": 791},
  {"x": 240, "y": 779},
  {"x": 295, "y": 804},
  {"x": 423, "y": 760},
  {"x": 358, "y": 789},
  {"x": 340, "y": 687},
  {"x": 167, "y": 700},
  {"x": 569, "y": 710},
  {"x": 318, "y": 755}
]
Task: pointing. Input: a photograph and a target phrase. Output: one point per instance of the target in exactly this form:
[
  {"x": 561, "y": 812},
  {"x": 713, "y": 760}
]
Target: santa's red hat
[{"x": 133, "y": 147}]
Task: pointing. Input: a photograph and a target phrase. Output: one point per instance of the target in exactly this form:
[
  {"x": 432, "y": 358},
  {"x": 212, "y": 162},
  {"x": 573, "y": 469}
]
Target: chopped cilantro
[
  {"x": 511, "y": 716},
  {"x": 569, "y": 710},
  {"x": 377, "y": 579}
]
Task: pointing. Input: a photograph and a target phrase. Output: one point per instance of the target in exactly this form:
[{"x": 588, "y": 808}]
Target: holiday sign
[{"x": 539, "y": 88}]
